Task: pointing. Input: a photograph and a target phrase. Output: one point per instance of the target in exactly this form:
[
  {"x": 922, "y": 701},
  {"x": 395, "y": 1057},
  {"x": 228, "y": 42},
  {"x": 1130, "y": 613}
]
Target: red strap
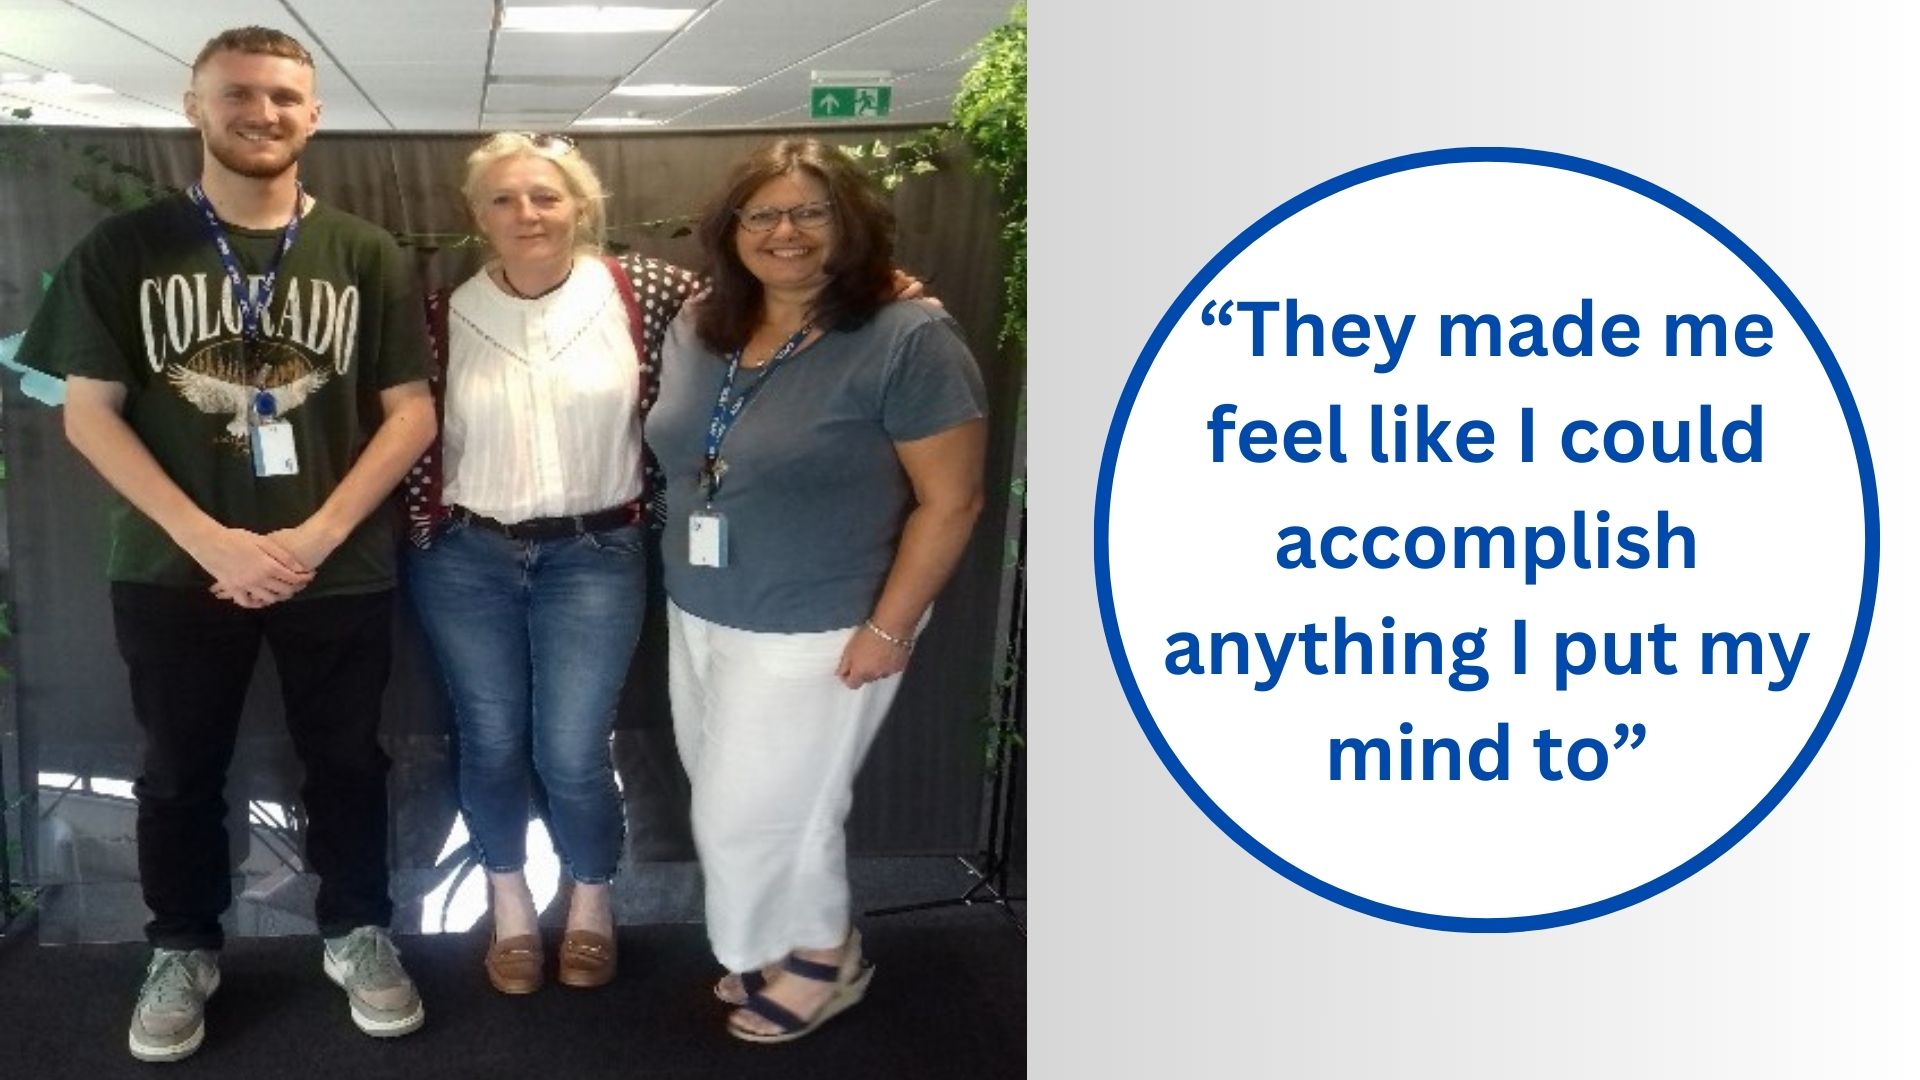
[
  {"x": 637, "y": 326},
  {"x": 636, "y": 323}
]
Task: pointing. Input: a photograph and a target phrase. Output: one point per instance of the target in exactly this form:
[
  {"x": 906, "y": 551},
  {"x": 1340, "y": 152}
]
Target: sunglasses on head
[{"x": 549, "y": 144}]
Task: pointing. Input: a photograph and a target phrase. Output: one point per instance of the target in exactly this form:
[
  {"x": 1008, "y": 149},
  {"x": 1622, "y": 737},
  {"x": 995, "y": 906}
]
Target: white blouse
[{"x": 542, "y": 399}]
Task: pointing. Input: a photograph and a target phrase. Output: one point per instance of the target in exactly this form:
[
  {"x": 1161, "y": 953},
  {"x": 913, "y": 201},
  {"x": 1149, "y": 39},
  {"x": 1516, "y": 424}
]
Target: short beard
[{"x": 255, "y": 170}]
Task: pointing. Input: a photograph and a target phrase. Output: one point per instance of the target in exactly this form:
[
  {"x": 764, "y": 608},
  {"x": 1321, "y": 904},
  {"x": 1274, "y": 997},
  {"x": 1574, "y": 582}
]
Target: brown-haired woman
[{"x": 823, "y": 445}]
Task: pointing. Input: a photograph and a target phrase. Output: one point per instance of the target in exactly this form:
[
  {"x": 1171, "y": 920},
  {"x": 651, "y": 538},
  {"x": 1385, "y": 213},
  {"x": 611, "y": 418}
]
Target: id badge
[
  {"x": 707, "y": 538},
  {"x": 273, "y": 450}
]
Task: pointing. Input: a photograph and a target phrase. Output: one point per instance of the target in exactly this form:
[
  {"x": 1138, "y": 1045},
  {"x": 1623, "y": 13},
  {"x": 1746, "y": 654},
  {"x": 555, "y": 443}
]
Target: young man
[{"x": 246, "y": 368}]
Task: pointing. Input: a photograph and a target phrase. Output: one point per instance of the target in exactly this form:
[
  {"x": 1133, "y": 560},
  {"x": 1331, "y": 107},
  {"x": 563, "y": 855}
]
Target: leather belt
[{"x": 548, "y": 528}]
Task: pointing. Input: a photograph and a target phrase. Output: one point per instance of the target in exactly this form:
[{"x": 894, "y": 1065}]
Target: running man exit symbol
[{"x": 844, "y": 102}]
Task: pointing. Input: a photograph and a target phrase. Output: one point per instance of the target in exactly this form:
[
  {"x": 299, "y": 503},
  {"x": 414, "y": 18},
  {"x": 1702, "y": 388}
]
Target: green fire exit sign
[{"x": 851, "y": 102}]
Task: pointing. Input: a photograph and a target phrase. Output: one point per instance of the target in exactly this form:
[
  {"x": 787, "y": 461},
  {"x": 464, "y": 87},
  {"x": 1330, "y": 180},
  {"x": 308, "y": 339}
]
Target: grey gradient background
[{"x": 1158, "y": 946}]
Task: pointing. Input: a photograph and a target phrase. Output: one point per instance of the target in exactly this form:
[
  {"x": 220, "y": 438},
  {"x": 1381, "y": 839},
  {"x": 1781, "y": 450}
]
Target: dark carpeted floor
[{"x": 948, "y": 1000}]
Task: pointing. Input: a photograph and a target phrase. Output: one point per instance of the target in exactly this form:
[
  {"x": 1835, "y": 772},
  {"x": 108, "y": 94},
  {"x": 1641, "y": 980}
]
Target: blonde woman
[{"x": 528, "y": 570}]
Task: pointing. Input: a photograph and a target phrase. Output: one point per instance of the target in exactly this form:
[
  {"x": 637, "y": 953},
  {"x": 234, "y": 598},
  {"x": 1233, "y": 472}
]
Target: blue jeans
[{"x": 534, "y": 638}]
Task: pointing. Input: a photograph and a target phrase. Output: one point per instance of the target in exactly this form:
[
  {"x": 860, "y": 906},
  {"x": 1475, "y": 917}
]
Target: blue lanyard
[
  {"x": 727, "y": 407},
  {"x": 251, "y": 306}
]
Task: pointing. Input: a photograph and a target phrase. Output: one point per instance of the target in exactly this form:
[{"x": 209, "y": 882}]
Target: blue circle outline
[{"x": 1870, "y": 575}]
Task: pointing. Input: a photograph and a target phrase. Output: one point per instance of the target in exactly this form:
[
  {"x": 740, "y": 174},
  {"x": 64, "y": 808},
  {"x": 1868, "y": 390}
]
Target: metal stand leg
[{"x": 992, "y": 867}]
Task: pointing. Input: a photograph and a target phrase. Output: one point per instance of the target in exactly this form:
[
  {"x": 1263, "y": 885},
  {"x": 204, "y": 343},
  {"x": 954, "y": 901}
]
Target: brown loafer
[
  {"x": 515, "y": 965},
  {"x": 587, "y": 959}
]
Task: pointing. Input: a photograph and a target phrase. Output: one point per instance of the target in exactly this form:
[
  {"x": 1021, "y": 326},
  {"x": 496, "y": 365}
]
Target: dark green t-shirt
[{"x": 144, "y": 301}]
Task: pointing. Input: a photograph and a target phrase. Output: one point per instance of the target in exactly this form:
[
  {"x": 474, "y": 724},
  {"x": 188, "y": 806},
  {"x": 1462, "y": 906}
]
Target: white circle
[{"x": 1777, "y": 544}]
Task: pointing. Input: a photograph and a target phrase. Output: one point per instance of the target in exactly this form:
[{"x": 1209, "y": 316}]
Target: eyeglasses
[
  {"x": 808, "y": 216},
  {"x": 548, "y": 144}
]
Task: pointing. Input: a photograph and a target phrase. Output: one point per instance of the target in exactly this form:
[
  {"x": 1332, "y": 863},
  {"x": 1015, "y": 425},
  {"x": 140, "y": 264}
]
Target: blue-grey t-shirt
[{"x": 814, "y": 494}]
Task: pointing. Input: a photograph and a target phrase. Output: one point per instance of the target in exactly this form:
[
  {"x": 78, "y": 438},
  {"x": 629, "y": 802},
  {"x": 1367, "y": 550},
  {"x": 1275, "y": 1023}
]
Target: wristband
[{"x": 898, "y": 643}]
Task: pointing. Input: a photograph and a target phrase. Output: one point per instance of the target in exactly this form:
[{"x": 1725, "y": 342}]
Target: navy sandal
[
  {"x": 850, "y": 981},
  {"x": 748, "y": 982}
]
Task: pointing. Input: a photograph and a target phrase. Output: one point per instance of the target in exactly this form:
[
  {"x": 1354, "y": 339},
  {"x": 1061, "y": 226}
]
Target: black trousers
[{"x": 190, "y": 657}]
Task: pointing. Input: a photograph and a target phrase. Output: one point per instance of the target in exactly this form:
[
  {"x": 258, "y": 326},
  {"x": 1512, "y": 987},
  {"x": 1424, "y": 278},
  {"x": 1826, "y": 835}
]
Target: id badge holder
[
  {"x": 707, "y": 538},
  {"x": 273, "y": 449}
]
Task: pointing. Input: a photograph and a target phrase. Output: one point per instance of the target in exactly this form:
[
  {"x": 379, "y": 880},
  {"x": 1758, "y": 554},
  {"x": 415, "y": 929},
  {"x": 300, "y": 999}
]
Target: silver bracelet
[{"x": 898, "y": 643}]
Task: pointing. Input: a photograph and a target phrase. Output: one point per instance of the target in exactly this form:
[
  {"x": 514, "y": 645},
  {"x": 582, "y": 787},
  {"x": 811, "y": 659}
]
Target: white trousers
[{"x": 771, "y": 741}]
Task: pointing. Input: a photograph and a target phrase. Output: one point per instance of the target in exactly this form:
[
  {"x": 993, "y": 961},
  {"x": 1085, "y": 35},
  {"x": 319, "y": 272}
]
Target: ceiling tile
[
  {"x": 611, "y": 55},
  {"x": 519, "y": 98},
  {"x": 422, "y": 65}
]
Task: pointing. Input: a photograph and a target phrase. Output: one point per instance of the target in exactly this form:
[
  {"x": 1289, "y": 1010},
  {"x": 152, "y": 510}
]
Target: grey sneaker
[
  {"x": 170, "y": 1019},
  {"x": 367, "y": 965}
]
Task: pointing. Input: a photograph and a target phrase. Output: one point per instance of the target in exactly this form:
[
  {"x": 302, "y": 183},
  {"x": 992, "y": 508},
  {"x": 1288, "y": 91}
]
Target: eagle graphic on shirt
[{"x": 218, "y": 380}]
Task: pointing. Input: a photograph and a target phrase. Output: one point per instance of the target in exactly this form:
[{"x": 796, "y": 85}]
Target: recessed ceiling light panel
[
  {"x": 672, "y": 90},
  {"x": 583, "y": 19}
]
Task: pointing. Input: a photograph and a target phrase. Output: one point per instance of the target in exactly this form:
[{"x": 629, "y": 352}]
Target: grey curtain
[{"x": 920, "y": 792}]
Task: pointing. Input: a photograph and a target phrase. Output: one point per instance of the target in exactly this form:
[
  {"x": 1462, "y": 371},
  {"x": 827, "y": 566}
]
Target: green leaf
[{"x": 990, "y": 115}]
